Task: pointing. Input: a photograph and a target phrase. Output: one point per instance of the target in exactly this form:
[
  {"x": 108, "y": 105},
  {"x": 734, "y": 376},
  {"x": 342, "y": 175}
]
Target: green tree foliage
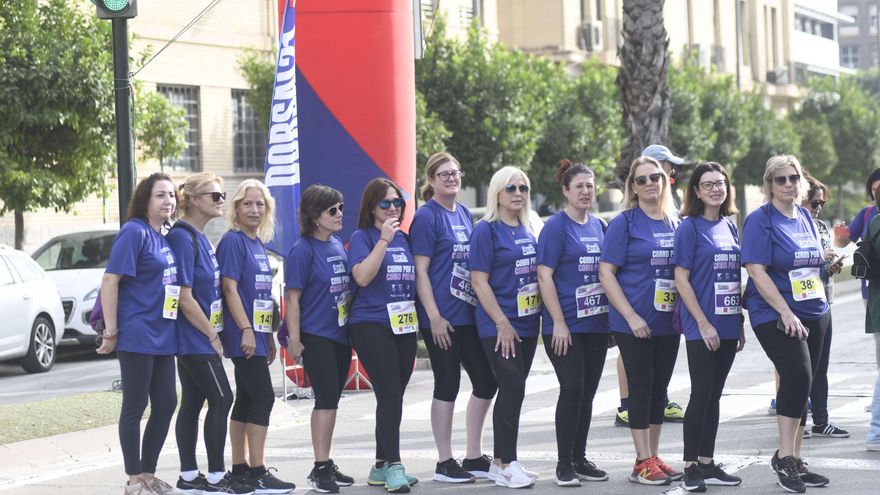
[
  {"x": 769, "y": 135},
  {"x": 159, "y": 125},
  {"x": 259, "y": 71},
  {"x": 431, "y": 135},
  {"x": 56, "y": 106}
]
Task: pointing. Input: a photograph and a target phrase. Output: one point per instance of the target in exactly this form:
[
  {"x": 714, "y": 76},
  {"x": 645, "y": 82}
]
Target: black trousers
[
  {"x": 254, "y": 395},
  {"x": 202, "y": 377},
  {"x": 649, "y": 364},
  {"x": 326, "y": 362},
  {"x": 819, "y": 391},
  {"x": 708, "y": 370},
  {"x": 466, "y": 351}
]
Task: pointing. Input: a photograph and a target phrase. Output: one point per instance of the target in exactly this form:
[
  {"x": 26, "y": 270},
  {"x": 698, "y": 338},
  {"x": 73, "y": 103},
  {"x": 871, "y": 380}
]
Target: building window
[
  {"x": 850, "y": 28},
  {"x": 849, "y": 56},
  {"x": 248, "y": 139},
  {"x": 875, "y": 56},
  {"x": 188, "y": 98},
  {"x": 872, "y": 18}
]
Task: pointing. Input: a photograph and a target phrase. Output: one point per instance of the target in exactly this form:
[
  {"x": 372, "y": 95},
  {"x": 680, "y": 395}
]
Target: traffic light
[{"x": 116, "y": 9}]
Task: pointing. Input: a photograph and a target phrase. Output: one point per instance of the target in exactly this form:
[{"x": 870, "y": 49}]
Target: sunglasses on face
[
  {"x": 511, "y": 188},
  {"x": 216, "y": 196},
  {"x": 333, "y": 210},
  {"x": 643, "y": 179},
  {"x": 780, "y": 180},
  {"x": 385, "y": 203},
  {"x": 817, "y": 203},
  {"x": 709, "y": 185},
  {"x": 453, "y": 174}
]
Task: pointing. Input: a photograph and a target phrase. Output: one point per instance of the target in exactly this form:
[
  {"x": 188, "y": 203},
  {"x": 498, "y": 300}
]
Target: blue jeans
[{"x": 874, "y": 430}]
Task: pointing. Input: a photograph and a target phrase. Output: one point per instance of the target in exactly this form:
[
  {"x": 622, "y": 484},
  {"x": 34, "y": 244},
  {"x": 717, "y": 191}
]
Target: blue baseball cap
[{"x": 661, "y": 153}]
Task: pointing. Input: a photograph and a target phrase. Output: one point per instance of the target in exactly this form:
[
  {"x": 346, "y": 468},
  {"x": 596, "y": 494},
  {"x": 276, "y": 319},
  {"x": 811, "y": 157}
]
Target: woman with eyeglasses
[
  {"x": 637, "y": 274},
  {"x": 200, "y": 354},
  {"x": 575, "y": 317},
  {"x": 707, "y": 275},
  {"x": 246, "y": 283},
  {"x": 504, "y": 277},
  {"x": 383, "y": 321},
  {"x": 787, "y": 306},
  {"x": 440, "y": 239},
  {"x": 318, "y": 295}
]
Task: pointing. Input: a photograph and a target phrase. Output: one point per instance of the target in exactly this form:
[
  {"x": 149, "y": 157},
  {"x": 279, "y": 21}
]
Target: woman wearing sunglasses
[
  {"x": 637, "y": 274},
  {"x": 503, "y": 273},
  {"x": 787, "y": 306},
  {"x": 707, "y": 276},
  {"x": 199, "y": 358},
  {"x": 318, "y": 294},
  {"x": 575, "y": 317},
  {"x": 383, "y": 320},
  {"x": 440, "y": 240},
  {"x": 246, "y": 283}
]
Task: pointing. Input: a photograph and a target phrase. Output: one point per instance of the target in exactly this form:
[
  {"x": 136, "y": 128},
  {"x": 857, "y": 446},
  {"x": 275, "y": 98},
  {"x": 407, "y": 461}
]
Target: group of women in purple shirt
[{"x": 480, "y": 295}]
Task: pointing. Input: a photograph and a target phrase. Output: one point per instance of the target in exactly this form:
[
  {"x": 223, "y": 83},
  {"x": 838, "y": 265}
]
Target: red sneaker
[
  {"x": 667, "y": 469},
  {"x": 648, "y": 473}
]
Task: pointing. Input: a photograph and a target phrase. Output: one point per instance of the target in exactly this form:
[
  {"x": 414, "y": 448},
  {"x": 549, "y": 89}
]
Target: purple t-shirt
[
  {"x": 710, "y": 250},
  {"x": 147, "y": 265},
  {"x": 791, "y": 251},
  {"x": 858, "y": 229},
  {"x": 507, "y": 254},
  {"x": 245, "y": 260},
  {"x": 572, "y": 250},
  {"x": 444, "y": 236},
  {"x": 394, "y": 282},
  {"x": 203, "y": 277},
  {"x": 320, "y": 269},
  {"x": 641, "y": 248}
]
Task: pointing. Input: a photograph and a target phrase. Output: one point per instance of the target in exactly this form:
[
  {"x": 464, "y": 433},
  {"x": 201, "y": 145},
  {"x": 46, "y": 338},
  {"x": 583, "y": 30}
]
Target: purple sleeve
[
  {"x": 423, "y": 232},
  {"x": 685, "y": 244},
  {"x": 359, "y": 247},
  {"x": 616, "y": 243},
  {"x": 482, "y": 248},
  {"x": 181, "y": 242},
  {"x": 230, "y": 252},
  {"x": 125, "y": 251},
  {"x": 857, "y": 226},
  {"x": 550, "y": 243},
  {"x": 756, "y": 245},
  {"x": 297, "y": 266}
]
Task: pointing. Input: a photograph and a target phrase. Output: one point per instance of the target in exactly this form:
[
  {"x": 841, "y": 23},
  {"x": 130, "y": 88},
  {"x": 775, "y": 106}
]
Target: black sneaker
[
  {"x": 692, "y": 480},
  {"x": 321, "y": 479},
  {"x": 197, "y": 485},
  {"x": 228, "y": 484},
  {"x": 812, "y": 480},
  {"x": 341, "y": 479},
  {"x": 450, "y": 471},
  {"x": 478, "y": 467},
  {"x": 268, "y": 483},
  {"x": 713, "y": 475},
  {"x": 587, "y": 471},
  {"x": 829, "y": 429},
  {"x": 565, "y": 475},
  {"x": 786, "y": 471}
]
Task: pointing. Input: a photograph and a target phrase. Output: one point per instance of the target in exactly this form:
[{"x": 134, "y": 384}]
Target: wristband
[
  {"x": 247, "y": 328},
  {"x": 383, "y": 239},
  {"x": 110, "y": 337},
  {"x": 216, "y": 336}
]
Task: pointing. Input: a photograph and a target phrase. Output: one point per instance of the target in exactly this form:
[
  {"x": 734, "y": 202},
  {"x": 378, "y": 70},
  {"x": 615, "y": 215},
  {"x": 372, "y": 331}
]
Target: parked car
[
  {"x": 75, "y": 262},
  {"x": 32, "y": 314}
]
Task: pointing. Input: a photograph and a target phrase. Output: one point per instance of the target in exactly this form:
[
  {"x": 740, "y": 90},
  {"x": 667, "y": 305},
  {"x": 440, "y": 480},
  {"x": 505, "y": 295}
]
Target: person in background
[{"x": 872, "y": 325}]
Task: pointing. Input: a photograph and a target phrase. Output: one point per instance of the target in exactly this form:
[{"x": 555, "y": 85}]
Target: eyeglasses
[
  {"x": 792, "y": 179},
  {"x": 511, "y": 188},
  {"x": 643, "y": 179},
  {"x": 216, "y": 196},
  {"x": 709, "y": 185},
  {"x": 385, "y": 203},
  {"x": 817, "y": 203},
  {"x": 453, "y": 174},
  {"x": 333, "y": 210}
]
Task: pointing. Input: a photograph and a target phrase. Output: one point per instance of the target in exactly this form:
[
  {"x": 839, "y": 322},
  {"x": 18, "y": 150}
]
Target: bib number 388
[{"x": 806, "y": 284}]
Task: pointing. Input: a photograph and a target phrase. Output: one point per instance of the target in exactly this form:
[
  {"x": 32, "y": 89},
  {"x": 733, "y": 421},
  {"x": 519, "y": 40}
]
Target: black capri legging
[
  {"x": 326, "y": 362},
  {"x": 649, "y": 364},
  {"x": 202, "y": 377},
  {"x": 511, "y": 374},
  {"x": 254, "y": 395},
  {"x": 708, "y": 370},
  {"x": 465, "y": 351},
  {"x": 389, "y": 360},
  {"x": 796, "y": 361}
]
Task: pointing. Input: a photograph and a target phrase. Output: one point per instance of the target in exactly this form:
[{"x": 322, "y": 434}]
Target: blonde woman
[
  {"x": 246, "y": 282},
  {"x": 637, "y": 273}
]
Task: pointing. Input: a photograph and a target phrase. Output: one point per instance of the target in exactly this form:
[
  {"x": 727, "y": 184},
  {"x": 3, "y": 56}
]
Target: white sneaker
[
  {"x": 531, "y": 474},
  {"x": 873, "y": 447},
  {"x": 494, "y": 471},
  {"x": 514, "y": 477}
]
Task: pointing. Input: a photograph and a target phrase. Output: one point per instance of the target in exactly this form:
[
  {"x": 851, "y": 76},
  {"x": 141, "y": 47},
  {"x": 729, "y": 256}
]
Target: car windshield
[{"x": 76, "y": 251}]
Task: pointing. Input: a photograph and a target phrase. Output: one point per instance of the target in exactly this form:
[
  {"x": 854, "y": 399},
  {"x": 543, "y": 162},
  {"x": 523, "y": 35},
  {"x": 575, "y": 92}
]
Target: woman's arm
[
  {"x": 767, "y": 289},
  {"x": 440, "y": 327},
  {"x": 608, "y": 278},
  {"x": 110, "y": 306},
  {"x": 239, "y": 316},
  {"x": 561, "y": 334},
  {"x": 689, "y": 298},
  {"x": 291, "y": 317},
  {"x": 506, "y": 333}
]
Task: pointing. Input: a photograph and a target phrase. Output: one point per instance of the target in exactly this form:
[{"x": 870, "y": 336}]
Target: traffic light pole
[{"x": 121, "y": 91}]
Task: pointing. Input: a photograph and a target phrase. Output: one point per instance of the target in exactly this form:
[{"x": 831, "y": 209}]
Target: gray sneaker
[
  {"x": 141, "y": 488},
  {"x": 160, "y": 487}
]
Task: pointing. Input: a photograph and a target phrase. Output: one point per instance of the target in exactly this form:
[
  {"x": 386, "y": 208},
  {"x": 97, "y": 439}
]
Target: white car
[
  {"x": 76, "y": 262},
  {"x": 32, "y": 315}
]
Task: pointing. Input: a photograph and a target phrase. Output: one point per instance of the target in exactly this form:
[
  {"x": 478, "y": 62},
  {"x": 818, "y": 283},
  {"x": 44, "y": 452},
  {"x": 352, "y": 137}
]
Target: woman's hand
[
  {"x": 639, "y": 327},
  {"x": 794, "y": 327},
  {"x": 440, "y": 329},
  {"x": 295, "y": 348},
  {"x": 742, "y": 338},
  {"x": 389, "y": 229},
  {"x": 248, "y": 342},
  {"x": 272, "y": 351},
  {"x": 506, "y": 339},
  {"x": 561, "y": 339},
  {"x": 710, "y": 336},
  {"x": 217, "y": 345},
  {"x": 108, "y": 345}
]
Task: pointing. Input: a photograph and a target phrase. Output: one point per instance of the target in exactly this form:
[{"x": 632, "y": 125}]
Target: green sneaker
[
  {"x": 378, "y": 476},
  {"x": 673, "y": 412},
  {"x": 395, "y": 479},
  {"x": 621, "y": 418}
]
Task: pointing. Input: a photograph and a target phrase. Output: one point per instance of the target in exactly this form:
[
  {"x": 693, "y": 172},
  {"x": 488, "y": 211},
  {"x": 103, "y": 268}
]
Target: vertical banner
[{"x": 282, "y": 167}]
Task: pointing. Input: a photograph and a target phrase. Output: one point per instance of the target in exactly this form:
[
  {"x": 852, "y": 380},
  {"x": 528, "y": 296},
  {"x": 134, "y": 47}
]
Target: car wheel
[{"x": 41, "y": 351}]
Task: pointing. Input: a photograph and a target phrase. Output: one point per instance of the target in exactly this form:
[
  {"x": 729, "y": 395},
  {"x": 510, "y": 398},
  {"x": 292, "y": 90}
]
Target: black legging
[
  {"x": 145, "y": 376},
  {"x": 326, "y": 362},
  {"x": 202, "y": 377},
  {"x": 254, "y": 395},
  {"x": 709, "y": 370},
  {"x": 578, "y": 372},
  {"x": 649, "y": 364},
  {"x": 465, "y": 351},
  {"x": 388, "y": 360},
  {"x": 796, "y": 361},
  {"x": 819, "y": 391},
  {"x": 511, "y": 374}
]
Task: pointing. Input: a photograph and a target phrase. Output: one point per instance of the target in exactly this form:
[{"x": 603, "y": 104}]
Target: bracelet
[
  {"x": 110, "y": 337},
  {"x": 383, "y": 239},
  {"x": 216, "y": 336},
  {"x": 499, "y": 322},
  {"x": 246, "y": 328}
]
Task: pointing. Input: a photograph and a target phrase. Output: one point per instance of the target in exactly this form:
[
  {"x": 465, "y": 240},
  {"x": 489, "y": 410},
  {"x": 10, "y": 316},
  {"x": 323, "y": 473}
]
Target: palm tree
[{"x": 644, "y": 60}]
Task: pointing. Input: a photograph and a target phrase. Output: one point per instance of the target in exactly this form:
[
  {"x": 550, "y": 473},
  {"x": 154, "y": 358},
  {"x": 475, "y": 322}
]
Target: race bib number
[
  {"x": 217, "y": 315},
  {"x": 403, "y": 317},
  {"x": 460, "y": 285},
  {"x": 528, "y": 300},
  {"x": 665, "y": 294},
  {"x": 591, "y": 300},
  {"x": 263, "y": 316},
  {"x": 727, "y": 298},
  {"x": 172, "y": 302},
  {"x": 342, "y": 306},
  {"x": 806, "y": 284}
]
